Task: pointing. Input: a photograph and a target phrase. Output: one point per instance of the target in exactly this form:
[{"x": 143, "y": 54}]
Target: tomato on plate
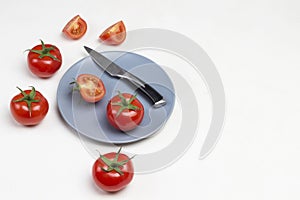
[
  {"x": 44, "y": 60},
  {"x": 115, "y": 34},
  {"x": 91, "y": 87},
  {"x": 75, "y": 28},
  {"x": 29, "y": 107},
  {"x": 113, "y": 171},
  {"x": 124, "y": 111}
]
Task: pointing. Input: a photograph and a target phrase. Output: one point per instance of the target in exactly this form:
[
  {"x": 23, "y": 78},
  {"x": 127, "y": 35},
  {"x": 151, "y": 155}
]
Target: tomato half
[
  {"x": 113, "y": 171},
  {"x": 124, "y": 112},
  {"x": 91, "y": 87},
  {"x": 115, "y": 34},
  {"x": 75, "y": 28},
  {"x": 29, "y": 107},
  {"x": 44, "y": 60}
]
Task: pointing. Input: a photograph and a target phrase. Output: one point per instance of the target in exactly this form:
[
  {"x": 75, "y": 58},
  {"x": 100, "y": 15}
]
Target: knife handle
[
  {"x": 149, "y": 91},
  {"x": 155, "y": 97}
]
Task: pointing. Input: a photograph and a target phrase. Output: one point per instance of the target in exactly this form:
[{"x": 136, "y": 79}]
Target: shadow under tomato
[{"x": 102, "y": 192}]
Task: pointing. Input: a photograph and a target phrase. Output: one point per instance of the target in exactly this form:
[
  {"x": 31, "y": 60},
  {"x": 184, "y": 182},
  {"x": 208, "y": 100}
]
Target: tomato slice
[
  {"x": 91, "y": 87},
  {"x": 75, "y": 28},
  {"x": 115, "y": 34}
]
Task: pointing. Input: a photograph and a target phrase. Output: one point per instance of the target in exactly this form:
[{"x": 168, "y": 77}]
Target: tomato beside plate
[
  {"x": 115, "y": 34},
  {"x": 29, "y": 107},
  {"x": 75, "y": 28},
  {"x": 113, "y": 171},
  {"x": 44, "y": 60}
]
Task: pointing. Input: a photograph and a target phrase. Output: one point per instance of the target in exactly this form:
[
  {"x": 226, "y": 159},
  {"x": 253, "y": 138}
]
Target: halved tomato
[
  {"x": 75, "y": 28},
  {"x": 91, "y": 87},
  {"x": 115, "y": 34}
]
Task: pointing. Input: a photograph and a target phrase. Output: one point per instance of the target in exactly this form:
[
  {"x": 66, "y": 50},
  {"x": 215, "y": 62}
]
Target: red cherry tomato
[
  {"x": 115, "y": 34},
  {"x": 91, "y": 87},
  {"x": 44, "y": 60},
  {"x": 29, "y": 107},
  {"x": 75, "y": 28},
  {"x": 124, "y": 112},
  {"x": 113, "y": 171}
]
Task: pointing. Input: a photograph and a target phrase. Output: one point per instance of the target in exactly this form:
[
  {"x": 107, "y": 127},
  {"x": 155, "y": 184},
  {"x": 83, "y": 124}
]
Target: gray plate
[{"x": 89, "y": 119}]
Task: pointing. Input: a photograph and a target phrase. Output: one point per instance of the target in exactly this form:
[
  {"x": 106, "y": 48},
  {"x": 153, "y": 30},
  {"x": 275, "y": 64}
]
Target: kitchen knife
[{"x": 116, "y": 71}]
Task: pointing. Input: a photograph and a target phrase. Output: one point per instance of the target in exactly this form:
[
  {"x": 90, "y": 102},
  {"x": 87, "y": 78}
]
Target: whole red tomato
[
  {"x": 115, "y": 34},
  {"x": 29, "y": 107},
  {"x": 113, "y": 171},
  {"x": 124, "y": 111},
  {"x": 44, "y": 60}
]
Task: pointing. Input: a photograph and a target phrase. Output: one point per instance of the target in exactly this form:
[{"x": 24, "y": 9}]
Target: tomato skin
[
  {"x": 75, "y": 28},
  {"x": 91, "y": 87},
  {"x": 46, "y": 66},
  {"x": 112, "y": 181},
  {"x": 20, "y": 110},
  {"x": 128, "y": 119},
  {"x": 115, "y": 34}
]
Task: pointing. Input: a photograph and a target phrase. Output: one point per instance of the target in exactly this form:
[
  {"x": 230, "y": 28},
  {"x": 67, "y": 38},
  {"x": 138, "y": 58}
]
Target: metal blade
[
  {"x": 106, "y": 64},
  {"x": 114, "y": 70}
]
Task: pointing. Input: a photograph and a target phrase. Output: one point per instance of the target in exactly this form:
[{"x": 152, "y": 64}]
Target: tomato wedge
[
  {"x": 75, "y": 28},
  {"x": 115, "y": 34},
  {"x": 91, "y": 87}
]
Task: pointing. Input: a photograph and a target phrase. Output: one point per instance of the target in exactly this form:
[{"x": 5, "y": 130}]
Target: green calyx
[
  {"x": 125, "y": 104},
  {"x": 45, "y": 51},
  {"x": 114, "y": 164},
  {"x": 28, "y": 98},
  {"x": 76, "y": 85}
]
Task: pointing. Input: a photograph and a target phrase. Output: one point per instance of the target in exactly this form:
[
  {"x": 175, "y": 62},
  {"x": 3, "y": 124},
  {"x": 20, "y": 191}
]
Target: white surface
[{"x": 255, "y": 46}]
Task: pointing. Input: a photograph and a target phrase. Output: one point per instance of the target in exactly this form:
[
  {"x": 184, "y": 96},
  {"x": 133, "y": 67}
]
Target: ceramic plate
[{"x": 89, "y": 119}]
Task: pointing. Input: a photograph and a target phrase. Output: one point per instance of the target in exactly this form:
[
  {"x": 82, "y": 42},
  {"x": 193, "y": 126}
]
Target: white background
[{"x": 255, "y": 46}]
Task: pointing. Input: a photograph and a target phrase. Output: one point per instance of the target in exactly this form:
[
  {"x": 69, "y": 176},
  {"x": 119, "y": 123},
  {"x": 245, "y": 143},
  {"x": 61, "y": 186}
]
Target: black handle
[
  {"x": 155, "y": 97},
  {"x": 149, "y": 91}
]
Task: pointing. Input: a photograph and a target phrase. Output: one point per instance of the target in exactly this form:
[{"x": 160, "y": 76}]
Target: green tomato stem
[
  {"x": 125, "y": 104},
  {"x": 45, "y": 51},
  {"x": 114, "y": 164},
  {"x": 28, "y": 98}
]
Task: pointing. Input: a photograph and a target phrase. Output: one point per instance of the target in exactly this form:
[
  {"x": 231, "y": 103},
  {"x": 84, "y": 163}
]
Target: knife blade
[{"x": 115, "y": 70}]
